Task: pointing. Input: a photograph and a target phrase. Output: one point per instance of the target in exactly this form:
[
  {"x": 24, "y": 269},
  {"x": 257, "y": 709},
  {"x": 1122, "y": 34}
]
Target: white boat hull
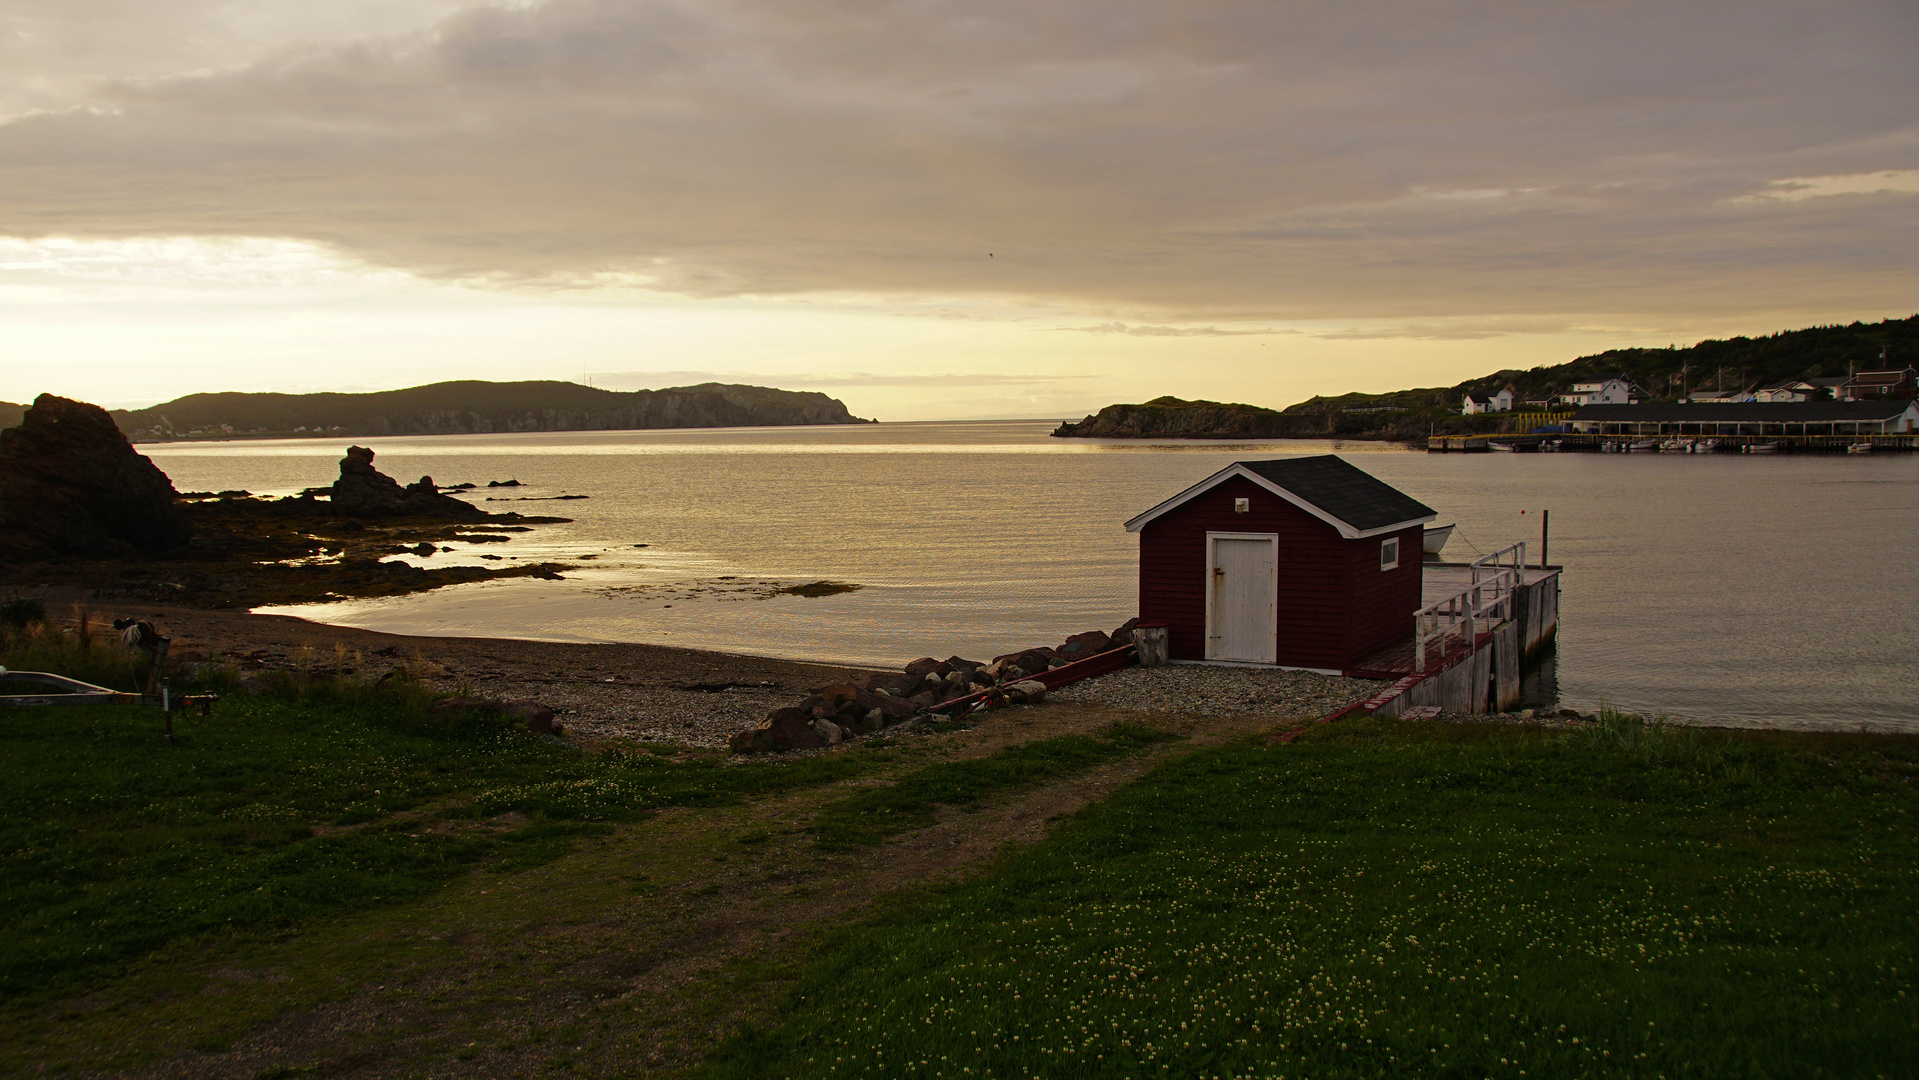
[{"x": 1435, "y": 539}]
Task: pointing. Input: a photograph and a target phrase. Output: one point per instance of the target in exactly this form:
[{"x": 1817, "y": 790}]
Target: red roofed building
[{"x": 1303, "y": 562}]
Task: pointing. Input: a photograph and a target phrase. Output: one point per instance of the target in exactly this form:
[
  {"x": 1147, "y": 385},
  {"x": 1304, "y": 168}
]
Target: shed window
[{"x": 1389, "y": 553}]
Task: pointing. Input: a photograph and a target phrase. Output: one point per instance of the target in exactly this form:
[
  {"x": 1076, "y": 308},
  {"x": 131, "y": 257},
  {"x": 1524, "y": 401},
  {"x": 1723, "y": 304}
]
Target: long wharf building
[{"x": 1759, "y": 418}]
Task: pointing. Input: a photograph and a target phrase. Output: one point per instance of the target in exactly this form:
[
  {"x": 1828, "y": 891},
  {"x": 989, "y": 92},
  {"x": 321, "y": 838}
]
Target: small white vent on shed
[{"x": 1242, "y": 506}]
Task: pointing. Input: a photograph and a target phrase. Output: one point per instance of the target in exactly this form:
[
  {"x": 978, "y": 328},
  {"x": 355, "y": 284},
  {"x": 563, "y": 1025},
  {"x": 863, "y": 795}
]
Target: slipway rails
[{"x": 61, "y": 690}]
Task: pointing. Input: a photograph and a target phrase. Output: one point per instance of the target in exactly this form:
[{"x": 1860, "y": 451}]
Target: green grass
[
  {"x": 872, "y": 815},
  {"x": 279, "y": 809},
  {"x": 332, "y": 795},
  {"x": 1381, "y": 900}
]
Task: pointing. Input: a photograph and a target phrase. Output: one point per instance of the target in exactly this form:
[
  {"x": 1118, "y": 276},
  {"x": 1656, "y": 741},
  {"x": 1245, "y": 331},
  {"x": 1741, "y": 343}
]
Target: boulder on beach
[
  {"x": 1026, "y": 692},
  {"x": 1081, "y": 646},
  {"x": 789, "y": 728},
  {"x": 71, "y": 486},
  {"x": 363, "y": 491}
]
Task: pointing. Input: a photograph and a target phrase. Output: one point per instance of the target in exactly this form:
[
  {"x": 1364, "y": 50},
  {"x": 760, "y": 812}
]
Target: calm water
[{"x": 1753, "y": 589}]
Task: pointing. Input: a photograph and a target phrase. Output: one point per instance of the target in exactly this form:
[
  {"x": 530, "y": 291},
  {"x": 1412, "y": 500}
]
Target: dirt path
[{"x": 638, "y": 952}]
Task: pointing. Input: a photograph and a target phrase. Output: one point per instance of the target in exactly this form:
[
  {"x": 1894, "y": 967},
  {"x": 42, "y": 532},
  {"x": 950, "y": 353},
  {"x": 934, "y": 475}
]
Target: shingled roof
[
  {"x": 1351, "y": 500},
  {"x": 1746, "y": 412}
]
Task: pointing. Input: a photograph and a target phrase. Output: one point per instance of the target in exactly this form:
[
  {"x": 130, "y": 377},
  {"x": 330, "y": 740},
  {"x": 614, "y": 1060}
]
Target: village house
[
  {"x": 1299, "y": 562},
  {"x": 1606, "y": 390},
  {"x": 1500, "y": 402},
  {"x": 1788, "y": 390},
  {"x": 1875, "y": 385}
]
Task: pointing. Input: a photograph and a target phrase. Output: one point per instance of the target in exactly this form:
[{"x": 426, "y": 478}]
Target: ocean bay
[{"x": 1772, "y": 592}]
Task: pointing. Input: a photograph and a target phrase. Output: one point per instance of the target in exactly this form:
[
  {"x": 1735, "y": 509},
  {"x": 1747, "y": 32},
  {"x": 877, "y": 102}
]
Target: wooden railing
[
  {"x": 1485, "y": 602},
  {"x": 1498, "y": 560}
]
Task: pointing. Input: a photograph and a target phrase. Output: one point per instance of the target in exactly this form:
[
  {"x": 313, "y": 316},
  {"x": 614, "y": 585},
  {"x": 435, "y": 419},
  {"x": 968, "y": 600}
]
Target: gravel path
[
  {"x": 1197, "y": 689},
  {"x": 635, "y": 708}
]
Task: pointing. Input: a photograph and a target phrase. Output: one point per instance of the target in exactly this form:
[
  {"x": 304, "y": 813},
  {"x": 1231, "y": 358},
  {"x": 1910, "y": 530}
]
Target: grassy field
[
  {"x": 283, "y": 833},
  {"x": 338, "y": 877},
  {"x": 1380, "y": 899}
]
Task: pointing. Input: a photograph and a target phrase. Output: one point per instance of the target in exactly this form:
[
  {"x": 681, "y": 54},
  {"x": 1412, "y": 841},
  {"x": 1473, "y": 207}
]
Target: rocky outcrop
[
  {"x": 72, "y": 487},
  {"x": 364, "y": 491},
  {"x": 1170, "y": 417},
  {"x": 926, "y": 688}
]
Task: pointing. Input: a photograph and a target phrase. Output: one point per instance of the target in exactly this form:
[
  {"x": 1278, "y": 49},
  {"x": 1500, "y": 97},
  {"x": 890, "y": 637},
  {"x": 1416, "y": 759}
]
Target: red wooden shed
[{"x": 1302, "y": 562}]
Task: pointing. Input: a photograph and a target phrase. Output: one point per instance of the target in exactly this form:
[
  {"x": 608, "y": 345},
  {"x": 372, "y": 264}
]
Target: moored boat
[
  {"x": 1676, "y": 446},
  {"x": 1504, "y": 448},
  {"x": 1705, "y": 446},
  {"x": 1642, "y": 445},
  {"x": 1762, "y": 448},
  {"x": 1859, "y": 448},
  {"x": 1436, "y": 537}
]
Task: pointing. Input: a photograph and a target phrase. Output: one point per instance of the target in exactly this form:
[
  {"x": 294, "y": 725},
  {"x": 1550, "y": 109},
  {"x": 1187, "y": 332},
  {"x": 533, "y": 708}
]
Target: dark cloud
[{"x": 1178, "y": 161}]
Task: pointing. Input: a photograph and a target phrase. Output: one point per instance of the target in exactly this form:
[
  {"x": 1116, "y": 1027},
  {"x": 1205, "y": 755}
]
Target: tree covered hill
[
  {"x": 1734, "y": 364},
  {"x": 473, "y": 406},
  {"x": 1739, "y": 363}
]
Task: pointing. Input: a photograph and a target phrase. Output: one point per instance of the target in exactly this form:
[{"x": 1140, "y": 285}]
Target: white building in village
[
  {"x": 1610, "y": 390},
  {"x": 1500, "y": 402}
]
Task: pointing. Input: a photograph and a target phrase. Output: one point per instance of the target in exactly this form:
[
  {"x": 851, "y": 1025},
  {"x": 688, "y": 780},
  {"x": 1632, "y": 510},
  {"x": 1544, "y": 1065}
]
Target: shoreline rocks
[
  {"x": 363, "y": 491},
  {"x": 71, "y": 486},
  {"x": 875, "y": 702}
]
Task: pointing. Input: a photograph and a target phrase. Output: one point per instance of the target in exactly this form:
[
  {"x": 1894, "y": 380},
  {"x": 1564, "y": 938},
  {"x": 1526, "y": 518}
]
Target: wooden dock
[
  {"x": 1570, "y": 443},
  {"x": 1468, "y": 657}
]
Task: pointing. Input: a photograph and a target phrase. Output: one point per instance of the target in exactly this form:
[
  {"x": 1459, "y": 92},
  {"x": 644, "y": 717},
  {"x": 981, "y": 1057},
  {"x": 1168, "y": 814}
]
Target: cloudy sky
[{"x": 935, "y": 208}]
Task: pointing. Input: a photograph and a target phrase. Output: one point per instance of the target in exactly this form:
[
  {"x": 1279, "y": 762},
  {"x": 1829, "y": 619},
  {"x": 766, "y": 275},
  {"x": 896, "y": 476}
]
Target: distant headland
[
  {"x": 1740, "y": 363},
  {"x": 470, "y": 407}
]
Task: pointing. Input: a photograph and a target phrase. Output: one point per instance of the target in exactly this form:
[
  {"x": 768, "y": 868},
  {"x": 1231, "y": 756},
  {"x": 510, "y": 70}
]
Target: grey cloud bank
[{"x": 1149, "y": 160}]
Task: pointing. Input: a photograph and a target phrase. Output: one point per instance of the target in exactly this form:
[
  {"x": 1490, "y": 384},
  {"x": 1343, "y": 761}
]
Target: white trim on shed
[{"x": 1236, "y": 469}]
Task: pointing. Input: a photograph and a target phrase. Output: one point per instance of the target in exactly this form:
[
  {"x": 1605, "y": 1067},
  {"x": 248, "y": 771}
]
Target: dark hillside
[
  {"x": 474, "y": 406},
  {"x": 1739, "y": 363},
  {"x": 11, "y": 414}
]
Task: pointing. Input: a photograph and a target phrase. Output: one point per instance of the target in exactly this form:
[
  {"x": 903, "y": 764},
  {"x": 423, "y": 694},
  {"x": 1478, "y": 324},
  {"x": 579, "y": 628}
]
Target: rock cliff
[
  {"x": 1171, "y": 417},
  {"x": 72, "y": 487}
]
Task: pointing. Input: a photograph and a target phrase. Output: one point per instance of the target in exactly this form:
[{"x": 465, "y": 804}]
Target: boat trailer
[{"x": 66, "y": 691}]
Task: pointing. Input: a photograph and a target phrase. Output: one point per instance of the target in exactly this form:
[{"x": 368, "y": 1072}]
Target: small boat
[
  {"x": 1551, "y": 446},
  {"x": 1642, "y": 446},
  {"x": 1762, "y": 448},
  {"x": 1705, "y": 446},
  {"x": 1503, "y": 448},
  {"x": 1676, "y": 446},
  {"x": 1436, "y": 537},
  {"x": 1859, "y": 448}
]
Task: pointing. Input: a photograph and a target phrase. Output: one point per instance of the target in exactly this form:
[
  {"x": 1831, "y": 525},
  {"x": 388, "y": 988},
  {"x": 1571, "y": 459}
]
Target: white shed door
[{"x": 1242, "y": 609}]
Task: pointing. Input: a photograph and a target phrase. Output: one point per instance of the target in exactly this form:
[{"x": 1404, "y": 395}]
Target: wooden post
[
  {"x": 1545, "y": 521},
  {"x": 1154, "y": 645}
]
